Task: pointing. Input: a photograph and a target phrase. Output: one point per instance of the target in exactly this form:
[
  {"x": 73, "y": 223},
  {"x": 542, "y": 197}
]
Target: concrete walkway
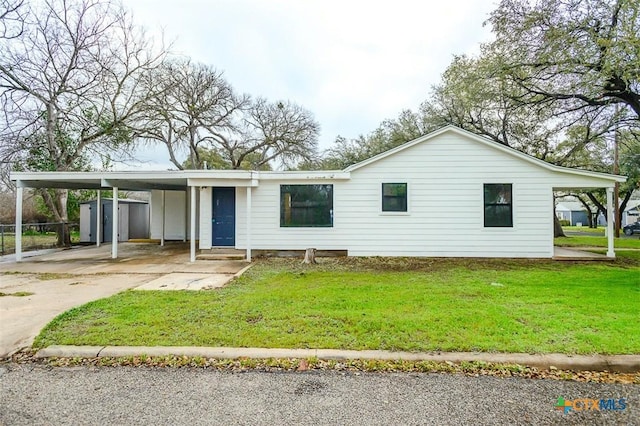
[
  {"x": 564, "y": 253},
  {"x": 45, "y": 297},
  {"x": 613, "y": 363}
]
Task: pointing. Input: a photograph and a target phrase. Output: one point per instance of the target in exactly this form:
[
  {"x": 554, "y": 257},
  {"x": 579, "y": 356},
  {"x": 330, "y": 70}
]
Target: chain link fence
[{"x": 36, "y": 236}]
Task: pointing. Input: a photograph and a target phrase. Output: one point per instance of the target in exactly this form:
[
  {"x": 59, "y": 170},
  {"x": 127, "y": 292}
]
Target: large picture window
[
  {"x": 306, "y": 205},
  {"x": 394, "y": 197},
  {"x": 498, "y": 206}
]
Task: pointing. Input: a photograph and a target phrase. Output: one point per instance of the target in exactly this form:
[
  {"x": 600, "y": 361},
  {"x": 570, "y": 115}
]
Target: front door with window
[{"x": 224, "y": 217}]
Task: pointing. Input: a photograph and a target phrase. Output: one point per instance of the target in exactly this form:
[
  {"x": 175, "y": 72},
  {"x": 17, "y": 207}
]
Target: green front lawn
[
  {"x": 588, "y": 241},
  {"x": 377, "y": 303}
]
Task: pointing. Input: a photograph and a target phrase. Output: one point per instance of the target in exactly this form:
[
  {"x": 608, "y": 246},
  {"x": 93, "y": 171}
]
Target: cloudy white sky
[{"x": 352, "y": 63}]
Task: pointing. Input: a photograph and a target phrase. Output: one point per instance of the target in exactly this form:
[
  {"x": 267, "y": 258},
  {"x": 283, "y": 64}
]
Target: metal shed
[{"x": 133, "y": 220}]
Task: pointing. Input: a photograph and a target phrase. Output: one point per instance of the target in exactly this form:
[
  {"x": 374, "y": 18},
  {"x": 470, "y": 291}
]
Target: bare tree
[
  {"x": 11, "y": 18},
  {"x": 197, "y": 112},
  {"x": 279, "y": 131},
  {"x": 194, "y": 108},
  {"x": 70, "y": 88}
]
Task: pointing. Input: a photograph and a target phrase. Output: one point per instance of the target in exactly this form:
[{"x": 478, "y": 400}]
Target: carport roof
[
  {"x": 176, "y": 180},
  {"x": 170, "y": 180}
]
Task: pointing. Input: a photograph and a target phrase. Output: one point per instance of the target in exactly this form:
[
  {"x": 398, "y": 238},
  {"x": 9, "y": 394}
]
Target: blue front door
[{"x": 224, "y": 217}]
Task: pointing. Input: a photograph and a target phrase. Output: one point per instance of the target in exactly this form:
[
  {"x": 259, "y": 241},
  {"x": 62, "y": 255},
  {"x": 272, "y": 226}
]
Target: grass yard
[
  {"x": 589, "y": 241},
  {"x": 34, "y": 241},
  {"x": 382, "y": 303}
]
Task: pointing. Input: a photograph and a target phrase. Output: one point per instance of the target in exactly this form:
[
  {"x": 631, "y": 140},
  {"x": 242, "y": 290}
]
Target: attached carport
[
  {"x": 187, "y": 181},
  {"x": 608, "y": 185},
  {"x": 99, "y": 181}
]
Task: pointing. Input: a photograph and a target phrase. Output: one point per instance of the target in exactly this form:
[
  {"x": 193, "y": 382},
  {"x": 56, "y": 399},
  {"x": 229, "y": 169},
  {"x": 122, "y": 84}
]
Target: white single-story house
[{"x": 450, "y": 193}]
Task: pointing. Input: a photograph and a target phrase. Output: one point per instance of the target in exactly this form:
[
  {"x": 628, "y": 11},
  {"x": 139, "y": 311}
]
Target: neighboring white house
[
  {"x": 450, "y": 193},
  {"x": 631, "y": 213}
]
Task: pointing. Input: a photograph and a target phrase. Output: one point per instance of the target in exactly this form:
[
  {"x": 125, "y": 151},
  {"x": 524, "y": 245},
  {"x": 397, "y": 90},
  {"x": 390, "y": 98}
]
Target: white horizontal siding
[{"x": 445, "y": 176}]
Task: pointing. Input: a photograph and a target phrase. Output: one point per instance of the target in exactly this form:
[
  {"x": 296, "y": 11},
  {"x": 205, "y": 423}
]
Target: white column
[
  {"x": 193, "y": 224},
  {"x": 99, "y": 219},
  {"x": 19, "y": 223},
  {"x": 249, "y": 223},
  {"x": 610, "y": 221},
  {"x": 114, "y": 228},
  {"x": 162, "y": 203}
]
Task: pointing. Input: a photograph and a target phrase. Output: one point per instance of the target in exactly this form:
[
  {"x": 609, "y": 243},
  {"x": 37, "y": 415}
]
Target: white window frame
[
  {"x": 513, "y": 226},
  {"x": 409, "y": 191}
]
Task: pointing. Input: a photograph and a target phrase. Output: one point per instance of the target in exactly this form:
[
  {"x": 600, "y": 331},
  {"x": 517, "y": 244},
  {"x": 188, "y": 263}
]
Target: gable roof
[
  {"x": 574, "y": 206},
  {"x": 487, "y": 142}
]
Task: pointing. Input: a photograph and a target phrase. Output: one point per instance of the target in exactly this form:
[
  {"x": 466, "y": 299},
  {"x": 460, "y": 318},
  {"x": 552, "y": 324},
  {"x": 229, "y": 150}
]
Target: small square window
[
  {"x": 394, "y": 197},
  {"x": 498, "y": 205}
]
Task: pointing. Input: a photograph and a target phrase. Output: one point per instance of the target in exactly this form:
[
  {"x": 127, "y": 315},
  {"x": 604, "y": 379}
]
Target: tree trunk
[
  {"x": 557, "y": 228},
  {"x": 623, "y": 206},
  {"x": 599, "y": 205},
  {"x": 58, "y": 207},
  {"x": 589, "y": 213},
  {"x": 310, "y": 256}
]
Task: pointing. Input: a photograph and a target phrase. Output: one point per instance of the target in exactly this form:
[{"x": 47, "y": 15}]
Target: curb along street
[{"x": 611, "y": 363}]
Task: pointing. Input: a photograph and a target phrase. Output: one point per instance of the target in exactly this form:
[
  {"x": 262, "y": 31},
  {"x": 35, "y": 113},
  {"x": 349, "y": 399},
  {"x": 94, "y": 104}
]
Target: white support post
[
  {"x": 193, "y": 224},
  {"x": 162, "y": 203},
  {"x": 249, "y": 223},
  {"x": 610, "y": 223},
  {"x": 99, "y": 219},
  {"x": 114, "y": 228},
  {"x": 19, "y": 222}
]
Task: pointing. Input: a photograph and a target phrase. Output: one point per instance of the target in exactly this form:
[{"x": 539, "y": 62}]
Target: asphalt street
[{"x": 38, "y": 395}]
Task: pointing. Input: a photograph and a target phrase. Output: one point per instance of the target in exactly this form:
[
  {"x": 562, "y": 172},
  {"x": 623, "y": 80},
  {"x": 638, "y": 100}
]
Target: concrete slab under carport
[{"x": 135, "y": 258}]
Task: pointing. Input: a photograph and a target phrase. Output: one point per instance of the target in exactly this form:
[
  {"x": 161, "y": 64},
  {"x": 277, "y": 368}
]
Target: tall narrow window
[
  {"x": 394, "y": 197},
  {"x": 498, "y": 206},
  {"x": 306, "y": 205}
]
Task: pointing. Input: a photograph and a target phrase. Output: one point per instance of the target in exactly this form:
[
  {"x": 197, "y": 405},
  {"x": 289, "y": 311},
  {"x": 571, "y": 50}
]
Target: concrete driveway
[{"x": 50, "y": 284}]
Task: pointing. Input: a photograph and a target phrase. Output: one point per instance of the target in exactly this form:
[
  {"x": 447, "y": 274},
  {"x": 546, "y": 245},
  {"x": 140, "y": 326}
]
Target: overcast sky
[{"x": 352, "y": 63}]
